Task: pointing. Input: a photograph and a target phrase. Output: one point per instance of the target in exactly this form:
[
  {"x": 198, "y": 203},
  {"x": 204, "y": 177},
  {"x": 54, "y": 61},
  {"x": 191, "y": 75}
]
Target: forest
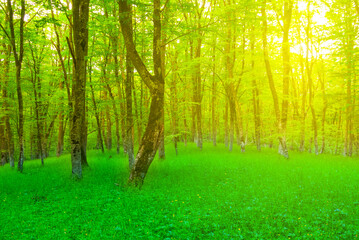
[{"x": 118, "y": 90}]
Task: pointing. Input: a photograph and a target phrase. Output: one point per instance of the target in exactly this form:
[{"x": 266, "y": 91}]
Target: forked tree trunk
[
  {"x": 281, "y": 119},
  {"x": 151, "y": 138}
]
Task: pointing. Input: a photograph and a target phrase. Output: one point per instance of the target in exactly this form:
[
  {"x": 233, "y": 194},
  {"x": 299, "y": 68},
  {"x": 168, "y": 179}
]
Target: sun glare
[{"x": 318, "y": 18}]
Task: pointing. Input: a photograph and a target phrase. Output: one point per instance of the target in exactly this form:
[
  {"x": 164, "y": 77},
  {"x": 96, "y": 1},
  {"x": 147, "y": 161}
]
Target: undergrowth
[{"x": 209, "y": 194}]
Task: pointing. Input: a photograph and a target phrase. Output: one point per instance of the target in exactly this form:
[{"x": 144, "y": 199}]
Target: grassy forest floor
[{"x": 211, "y": 194}]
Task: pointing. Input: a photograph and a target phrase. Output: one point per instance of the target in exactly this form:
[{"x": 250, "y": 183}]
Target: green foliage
[{"x": 210, "y": 194}]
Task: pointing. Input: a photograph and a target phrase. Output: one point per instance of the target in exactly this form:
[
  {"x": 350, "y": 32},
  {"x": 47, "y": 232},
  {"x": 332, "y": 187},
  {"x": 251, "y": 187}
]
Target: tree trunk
[
  {"x": 309, "y": 68},
  {"x": 108, "y": 126},
  {"x": 9, "y": 146},
  {"x": 325, "y": 104},
  {"x": 194, "y": 100},
  {"x": 174, "y": 101},
  {"x": 18, "y": 62},
  {"x": 151, "y": 138},
  {"x": 129, "y": 116},
  {"x": 98, "y": 123},
  {"x": 214, "y": 96},
  {"x": 61, "y": 131},
  {"x": 348, "y": 142},
  {"x": 241, "y": 135},
  {"x": 283, "y": 150},
  {"x": 226, "y": 124},
  {"x": 80, "y": 13},
  {"x": 115, "y": 47},
  {"x": 161, "y": 149},
  {"x": 198, "y": 94},
  {"x": 232, "y": 115},
  {"x": 37, "y": 116},
  {"x": 303, "y": 108},
  {"x": 3, "y": 145},
  {"x": 255, "y": 94}
]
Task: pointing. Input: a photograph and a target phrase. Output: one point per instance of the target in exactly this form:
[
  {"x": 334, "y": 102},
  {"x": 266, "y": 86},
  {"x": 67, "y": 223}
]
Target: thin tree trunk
[
  {"x": 199, "y": 95},
  {"x": 185, "y": 127},
  {"x": 161, "y": 149},
  {"x": 309, "y": 68},
  {"x": 115, "y": 46},
  {"x": 242, "y": 137},
  {"x": 194, "y": 100},
  {"x": 255, "y": 93},
  {"x": 348, "y": 143},
  {"x": 173, "y": 100},
  {"x": 18, "y": 62},
  {"x": 283, "y": 150},
  {"x": 226, "y": 124},
  {"x": 325, "y": 106},
  {"x": 214, "y": 96},
  {"x": 303, "y": 108},
  {"x": 129, "y": 116},
  {"x": 6, "y": 119},
  {"x": 108, "y": 126},
  {"x": 99, "y": 132}
]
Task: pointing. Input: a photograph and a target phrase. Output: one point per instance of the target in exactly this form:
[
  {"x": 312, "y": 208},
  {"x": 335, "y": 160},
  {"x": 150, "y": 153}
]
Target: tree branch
[{"x": 71, "y": 50}]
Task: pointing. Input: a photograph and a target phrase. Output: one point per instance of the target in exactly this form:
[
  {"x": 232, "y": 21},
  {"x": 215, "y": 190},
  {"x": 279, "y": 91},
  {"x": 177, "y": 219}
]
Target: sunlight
[{"x": 318, "y": 19}]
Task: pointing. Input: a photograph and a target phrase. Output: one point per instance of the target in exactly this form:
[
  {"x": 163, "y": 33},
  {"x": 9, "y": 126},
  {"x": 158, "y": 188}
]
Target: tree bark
[
  {"x": 174, "y": 101},
  {"x": 151, "y": 138},
  {"x": 255, "y": 94},
  {"x": 281, "y": 119},
  {"x": 303, "y": 108},
  {"x": 226, "y": 123},
  {"x": 214, "y": 96},
  {"x": 80, "y": 13},
  {"x": 18, "y": 62},
  {"x": 98, "y": 123},
  {"x": 283, "y": 150},
  {"x": 9, "y": 146},
  {"x": 349, "y": 43},
  {"x": 129, "y": 115},
  {"x": 115, "y": 46}
]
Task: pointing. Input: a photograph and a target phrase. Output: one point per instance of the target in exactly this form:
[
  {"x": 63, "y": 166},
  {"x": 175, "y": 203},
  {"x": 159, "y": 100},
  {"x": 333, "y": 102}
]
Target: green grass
[{"x": 209, "y": 194}]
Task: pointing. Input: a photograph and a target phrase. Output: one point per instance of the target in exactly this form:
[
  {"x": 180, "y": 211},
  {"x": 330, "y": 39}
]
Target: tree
[
  {"x": 281, "y": 116},
  {"x": 18, "y": 55},
  {"x": 78, "y": 133},
  {"x": 155, "y": 83}
]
